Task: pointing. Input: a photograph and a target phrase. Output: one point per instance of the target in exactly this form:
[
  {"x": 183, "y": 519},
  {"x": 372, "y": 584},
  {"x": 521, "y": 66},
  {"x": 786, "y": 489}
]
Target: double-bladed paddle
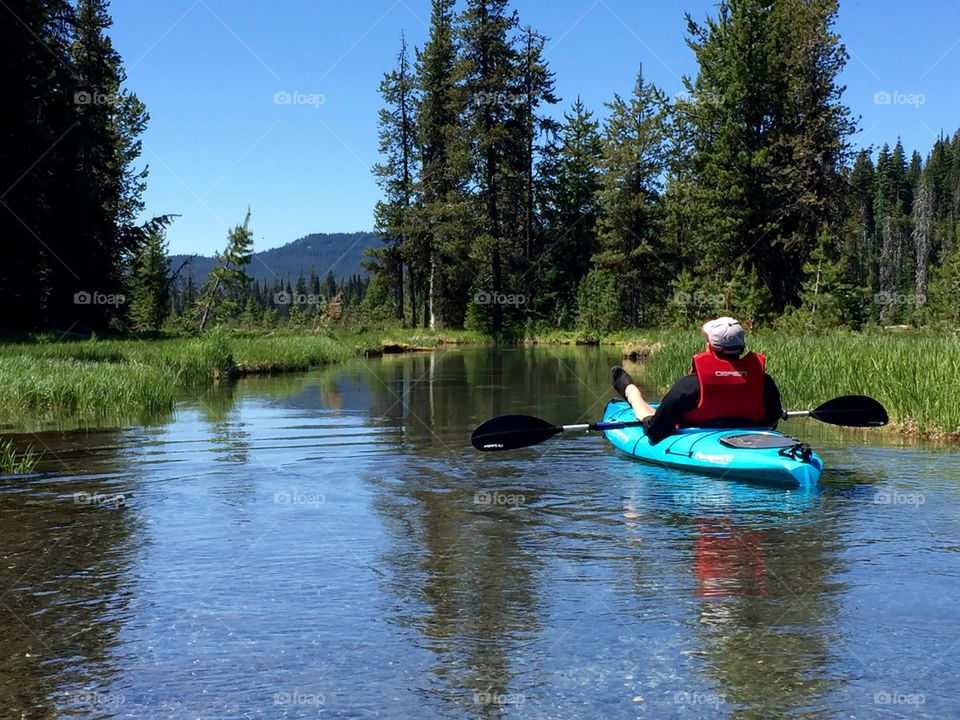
[{"x": 510, "y": 432}]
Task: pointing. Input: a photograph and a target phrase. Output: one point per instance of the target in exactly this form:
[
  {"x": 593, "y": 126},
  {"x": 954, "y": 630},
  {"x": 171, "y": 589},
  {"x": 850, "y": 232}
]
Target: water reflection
[
  {"x": 65, "y": 579},
  {"x": 330, "y": 544}
]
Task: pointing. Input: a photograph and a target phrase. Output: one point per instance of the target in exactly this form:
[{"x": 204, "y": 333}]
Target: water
[{"x": 329, "y": 545}]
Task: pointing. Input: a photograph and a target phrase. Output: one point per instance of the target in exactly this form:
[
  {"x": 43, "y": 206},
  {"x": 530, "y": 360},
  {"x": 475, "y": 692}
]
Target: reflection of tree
[
  {"x": 436, "y": 399},
  {"x": 68, "y": 549},
  {"x": 464, "y": 582},
  {"x": 765, "y": 613}
]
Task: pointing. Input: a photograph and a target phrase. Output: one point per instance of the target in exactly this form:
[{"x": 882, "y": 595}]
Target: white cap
[{"x": 725, "y": 335}]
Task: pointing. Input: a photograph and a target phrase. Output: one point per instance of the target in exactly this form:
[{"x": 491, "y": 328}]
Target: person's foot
[{"x": 620, "y": 379}]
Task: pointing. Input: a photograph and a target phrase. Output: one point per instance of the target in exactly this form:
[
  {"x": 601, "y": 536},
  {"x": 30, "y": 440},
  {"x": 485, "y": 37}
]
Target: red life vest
[{"x": 728, "y": 388}]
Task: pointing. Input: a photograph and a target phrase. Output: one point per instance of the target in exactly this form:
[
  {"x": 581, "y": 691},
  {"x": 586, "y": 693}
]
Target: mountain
[{"x": 339, "y": 252}]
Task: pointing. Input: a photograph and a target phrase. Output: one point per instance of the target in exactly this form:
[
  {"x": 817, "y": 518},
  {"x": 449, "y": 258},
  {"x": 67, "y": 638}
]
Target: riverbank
[{"x": 43, "y": 379}]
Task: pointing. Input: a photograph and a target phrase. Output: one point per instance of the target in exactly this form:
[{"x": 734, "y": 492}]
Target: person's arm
[
  {"x": 682, "y": 397},
  {"x": 772, "y": 402}
]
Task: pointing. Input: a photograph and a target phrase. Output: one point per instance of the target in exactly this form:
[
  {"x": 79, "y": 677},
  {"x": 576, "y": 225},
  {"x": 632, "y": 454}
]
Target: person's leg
[{"x": 628, "y": 390}]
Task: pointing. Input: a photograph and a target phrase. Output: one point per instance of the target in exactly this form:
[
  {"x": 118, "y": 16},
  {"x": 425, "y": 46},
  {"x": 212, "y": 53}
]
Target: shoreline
[{"x": 47, "y": 379}]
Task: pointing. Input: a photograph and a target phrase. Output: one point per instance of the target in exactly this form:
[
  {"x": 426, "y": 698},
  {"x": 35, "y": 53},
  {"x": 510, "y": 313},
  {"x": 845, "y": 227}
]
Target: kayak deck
[{"x": 700, "y": 450}]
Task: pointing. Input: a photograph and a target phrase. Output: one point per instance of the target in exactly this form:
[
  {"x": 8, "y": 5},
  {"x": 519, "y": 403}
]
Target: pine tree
[
  {"x": 38, "y": 107},
  {"x": 769, "y": 137},
  {"x": 101, "y": 190},
  {"x": 570, "y": 215},
  {"x": 634, "y": 159},
  {"x": 148, "y": 286},
  {"x": 488, "y": 66},
  {"x": 228, "y": 279},
  {"x": 892, "y": 218},
  {"x": 395, "y": 173},
  {"x": 438, "y": 255}
]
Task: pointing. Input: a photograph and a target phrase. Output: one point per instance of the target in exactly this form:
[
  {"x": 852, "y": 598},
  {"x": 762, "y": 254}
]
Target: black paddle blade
[
  {"x": 509, "y": 432},
  {"x": 852, "y": 411}
]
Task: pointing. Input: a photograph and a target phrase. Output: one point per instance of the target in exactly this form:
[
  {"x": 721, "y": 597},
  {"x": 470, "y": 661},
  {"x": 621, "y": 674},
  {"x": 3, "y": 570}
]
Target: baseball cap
[{"x": 725, "y": 335}]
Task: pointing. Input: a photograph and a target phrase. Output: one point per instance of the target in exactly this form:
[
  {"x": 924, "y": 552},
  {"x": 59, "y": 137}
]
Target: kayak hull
[{"x": 700, "y": 450}]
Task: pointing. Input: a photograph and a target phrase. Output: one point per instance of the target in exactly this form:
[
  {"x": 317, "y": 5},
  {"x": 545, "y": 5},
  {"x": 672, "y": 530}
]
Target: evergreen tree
[
  {"x": 148, "y": 286},
  {"x": 228, "y": 279},
  {"x": 35, "y": 83},
  {"x": 395, "y": 174},
  {"x": 769, "y": 137},
  {"x": 570, "y": 215},
  {"x": 438, "y": 256},
  {"x": 99, "y": 188},
  {"x": 488, "y": 66},
  {"x": 633, "y": 161}
]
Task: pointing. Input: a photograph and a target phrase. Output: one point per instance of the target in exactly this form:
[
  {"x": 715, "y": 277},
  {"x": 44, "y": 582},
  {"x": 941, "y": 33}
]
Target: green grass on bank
[{"x": 45, "y": 378}]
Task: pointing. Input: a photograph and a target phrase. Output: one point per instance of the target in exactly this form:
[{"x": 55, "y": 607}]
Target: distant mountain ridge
[{"x": 337, "y": 252}]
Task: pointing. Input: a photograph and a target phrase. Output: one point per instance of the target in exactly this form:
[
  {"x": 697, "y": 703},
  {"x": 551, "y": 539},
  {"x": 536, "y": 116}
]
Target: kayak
[{"x": 757, "y": 455}]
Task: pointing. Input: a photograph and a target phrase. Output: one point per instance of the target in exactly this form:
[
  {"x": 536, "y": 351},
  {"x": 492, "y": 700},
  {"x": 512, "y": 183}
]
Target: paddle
[
  {"x": 848, "y": 411},
  {"x": 510, "y": 432}
]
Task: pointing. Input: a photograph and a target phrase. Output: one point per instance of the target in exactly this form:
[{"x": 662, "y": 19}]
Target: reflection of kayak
[{"x": 754, "y": 454}]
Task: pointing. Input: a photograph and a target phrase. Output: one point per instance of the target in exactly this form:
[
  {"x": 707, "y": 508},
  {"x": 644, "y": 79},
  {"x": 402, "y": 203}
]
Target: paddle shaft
[{"x": 600, "y": 426}]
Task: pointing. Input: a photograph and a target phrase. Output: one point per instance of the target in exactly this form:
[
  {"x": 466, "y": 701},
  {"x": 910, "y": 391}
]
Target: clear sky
[{"x": 209, "y": 72}]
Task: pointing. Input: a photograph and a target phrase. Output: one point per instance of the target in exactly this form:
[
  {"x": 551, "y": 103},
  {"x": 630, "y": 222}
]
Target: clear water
[{"x": 329, "y": 545}]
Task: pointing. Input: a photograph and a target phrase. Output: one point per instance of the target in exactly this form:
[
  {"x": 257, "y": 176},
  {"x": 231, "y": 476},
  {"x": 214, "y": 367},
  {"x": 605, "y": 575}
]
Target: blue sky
[{"x": 209, "y": 72}]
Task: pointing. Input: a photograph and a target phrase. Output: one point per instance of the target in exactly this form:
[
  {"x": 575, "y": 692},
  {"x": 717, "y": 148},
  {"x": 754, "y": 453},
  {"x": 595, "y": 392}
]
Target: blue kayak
[{"x": 757, "y": 455}]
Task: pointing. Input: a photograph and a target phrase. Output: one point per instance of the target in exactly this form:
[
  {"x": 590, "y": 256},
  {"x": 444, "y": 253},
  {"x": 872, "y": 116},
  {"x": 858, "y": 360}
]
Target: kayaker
[{"x": 725, "y": 388}]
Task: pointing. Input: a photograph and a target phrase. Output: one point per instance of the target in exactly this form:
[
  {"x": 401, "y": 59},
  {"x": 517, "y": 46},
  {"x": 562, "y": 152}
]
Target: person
[{"x": 726, "y": 387}]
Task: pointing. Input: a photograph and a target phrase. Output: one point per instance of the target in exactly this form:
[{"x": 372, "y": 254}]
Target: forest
[
  {"x": 742, "y": 195},
  {"x": 505, "y": 209}
]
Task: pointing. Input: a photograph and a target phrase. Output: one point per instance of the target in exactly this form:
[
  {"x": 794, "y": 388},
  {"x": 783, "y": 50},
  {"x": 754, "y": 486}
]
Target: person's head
[{"x": 725, "y": 337}]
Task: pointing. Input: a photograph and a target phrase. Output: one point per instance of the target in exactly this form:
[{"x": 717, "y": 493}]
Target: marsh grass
[
  {"x": 45, "y": 379},
  {"x": 17, "y": 462}
]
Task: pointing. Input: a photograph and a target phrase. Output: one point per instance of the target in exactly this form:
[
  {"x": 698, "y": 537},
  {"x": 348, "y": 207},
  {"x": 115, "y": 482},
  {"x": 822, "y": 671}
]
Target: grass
[
  {"x": 14, "y": 462},
  {"x": 44, "y": 379},
  {"x": 912, "y": 375}
]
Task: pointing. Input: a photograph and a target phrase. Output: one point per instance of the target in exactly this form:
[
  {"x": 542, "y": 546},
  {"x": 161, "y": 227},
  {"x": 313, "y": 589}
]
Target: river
[{"x": 328, "y": 544}]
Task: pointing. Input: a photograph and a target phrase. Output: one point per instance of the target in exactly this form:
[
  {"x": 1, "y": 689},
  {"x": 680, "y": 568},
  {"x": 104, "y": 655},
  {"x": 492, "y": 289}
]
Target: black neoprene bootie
[{"x": 620, "y": 379}]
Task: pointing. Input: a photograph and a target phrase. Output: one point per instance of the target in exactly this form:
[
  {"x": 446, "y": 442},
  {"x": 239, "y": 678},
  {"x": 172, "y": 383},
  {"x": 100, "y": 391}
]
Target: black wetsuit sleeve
[
  {"x": 682, "y": 397},
  {"x": 772, "y": 402}
]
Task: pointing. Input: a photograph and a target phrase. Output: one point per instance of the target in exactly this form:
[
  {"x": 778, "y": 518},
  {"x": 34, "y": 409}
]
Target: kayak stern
[{"x": 700, "y": 450}]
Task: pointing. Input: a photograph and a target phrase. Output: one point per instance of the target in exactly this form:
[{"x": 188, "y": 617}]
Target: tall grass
[
  {"x": 913, "y": 376},
  {"x": 45, "y": 379},
  {"x": 17, "y": 462}
]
